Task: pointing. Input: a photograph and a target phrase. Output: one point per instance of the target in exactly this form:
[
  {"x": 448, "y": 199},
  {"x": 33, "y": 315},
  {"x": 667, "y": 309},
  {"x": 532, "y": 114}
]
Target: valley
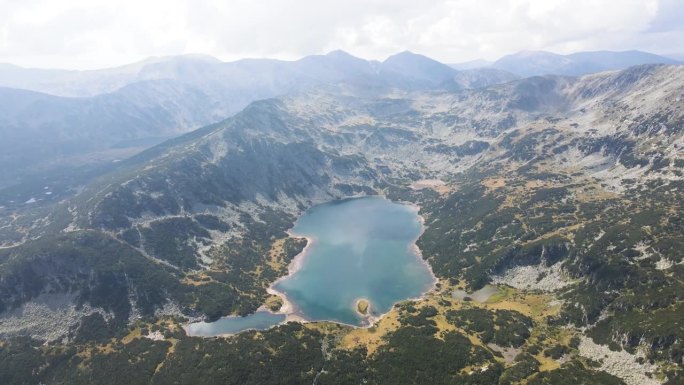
[{"x": 562, "y": 195}]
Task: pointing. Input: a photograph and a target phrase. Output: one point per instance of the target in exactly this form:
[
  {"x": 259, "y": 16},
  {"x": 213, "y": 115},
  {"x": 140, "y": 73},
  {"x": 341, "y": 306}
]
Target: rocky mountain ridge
[{"x": 109, "y": 115}]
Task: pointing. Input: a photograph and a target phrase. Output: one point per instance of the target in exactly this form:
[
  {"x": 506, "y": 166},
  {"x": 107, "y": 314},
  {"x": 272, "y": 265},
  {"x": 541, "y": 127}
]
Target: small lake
[
  {"x": 234, "y": 324},
  {"x": 359, "y": 248}
]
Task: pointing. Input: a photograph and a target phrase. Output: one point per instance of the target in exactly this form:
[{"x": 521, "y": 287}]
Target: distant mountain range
[
  {"x": 536, "y": 63},
  {"x": 53, "y": 118},
  {"x": 50, "y": 119},
  {"x": 200, "y": 70}
]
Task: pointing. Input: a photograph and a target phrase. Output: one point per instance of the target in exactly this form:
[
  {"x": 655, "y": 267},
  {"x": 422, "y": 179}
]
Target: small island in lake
[
  {"x": 363, "y": 306},
  {"x": 274, "y": 303}
]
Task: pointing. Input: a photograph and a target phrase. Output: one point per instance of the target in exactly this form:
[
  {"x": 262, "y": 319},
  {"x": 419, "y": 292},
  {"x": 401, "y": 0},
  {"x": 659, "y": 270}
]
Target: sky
[{"x": 87, "y": 34}]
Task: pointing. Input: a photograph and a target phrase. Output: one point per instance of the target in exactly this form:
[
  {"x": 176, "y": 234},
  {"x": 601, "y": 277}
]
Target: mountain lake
[{"x": 359, "y": 249}]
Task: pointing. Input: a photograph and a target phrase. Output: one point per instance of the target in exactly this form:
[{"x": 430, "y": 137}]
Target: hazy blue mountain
[
  {"x": 122, "y": 110},
  {"x": 415, "y": 70},
  {"x": 471, "y": 64},
  {"x": 533, "y": 63},
  {"x": 335, "y": 66},
  {"x": 622, "y": 59},
  {"x": 266, "y": 77},
  {"x": 480, "y": 78},
  {"x": 45, "y": 131},
  {"x": 72, "y": 82}
]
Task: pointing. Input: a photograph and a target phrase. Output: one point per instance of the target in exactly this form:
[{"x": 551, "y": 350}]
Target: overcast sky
[{"x": 102, "y": 33}]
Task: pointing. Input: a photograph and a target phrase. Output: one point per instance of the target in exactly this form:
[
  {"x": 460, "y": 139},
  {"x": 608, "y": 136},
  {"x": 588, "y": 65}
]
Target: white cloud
[{"x": 97, "y": 33}]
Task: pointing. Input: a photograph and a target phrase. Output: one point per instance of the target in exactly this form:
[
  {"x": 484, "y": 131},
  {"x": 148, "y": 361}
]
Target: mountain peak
[
  {"x": 341, "y": 56},
  {"x": 418, "y": 68},
  {"x": 405, "y": 55},
  {"x": 339, "y": 53}
]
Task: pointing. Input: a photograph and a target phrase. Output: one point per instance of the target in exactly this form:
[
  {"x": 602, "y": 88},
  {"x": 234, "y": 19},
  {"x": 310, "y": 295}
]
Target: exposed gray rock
[
  {"x": 47, "y": 317},
  {"x": 620, "y": 364},
  {"x": 537, "y": 277}
]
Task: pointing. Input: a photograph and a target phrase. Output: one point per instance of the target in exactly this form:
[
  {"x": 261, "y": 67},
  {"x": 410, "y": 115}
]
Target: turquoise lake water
[
  {"x": 230, "y": 325},
  {"x": 362, "y": 248}
]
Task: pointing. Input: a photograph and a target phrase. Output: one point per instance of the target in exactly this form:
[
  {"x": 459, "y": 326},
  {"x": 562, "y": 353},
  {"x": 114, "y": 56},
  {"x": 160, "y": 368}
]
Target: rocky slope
[{"x": 70, "y": 122}]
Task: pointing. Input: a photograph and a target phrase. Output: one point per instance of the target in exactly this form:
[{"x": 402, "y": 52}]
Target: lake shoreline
[
  {"x": 416, "y": 250},
  {"x": 289, "y": 308}
]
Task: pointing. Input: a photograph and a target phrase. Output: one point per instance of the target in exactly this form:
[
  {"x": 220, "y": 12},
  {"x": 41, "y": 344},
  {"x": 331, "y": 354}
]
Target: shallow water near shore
[
  {"x": 359, "y": 248},
  {"x": 230, "y": 325}
]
